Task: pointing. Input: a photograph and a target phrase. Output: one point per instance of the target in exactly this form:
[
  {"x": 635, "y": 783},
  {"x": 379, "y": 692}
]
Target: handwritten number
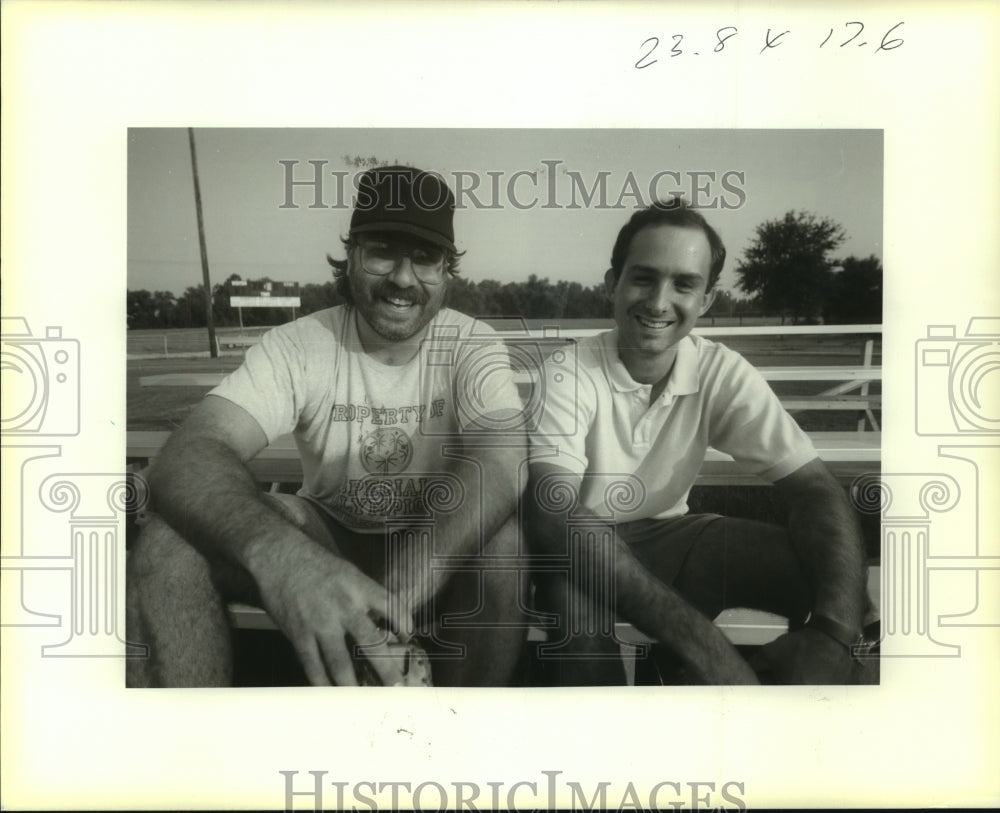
[
  {"x": 888, "y": 46},
  {"x": 656, "y": 42},
  {"x": 854, "y": 22},
  {"x": 722, "y": 39},
  {"x": 772, "y": 43},
  {"x": 726, "y": 33}
]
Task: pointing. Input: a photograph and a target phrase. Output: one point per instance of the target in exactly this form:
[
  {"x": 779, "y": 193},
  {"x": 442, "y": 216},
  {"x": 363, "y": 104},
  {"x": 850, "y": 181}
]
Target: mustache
[{"x": 387, "y": 288}]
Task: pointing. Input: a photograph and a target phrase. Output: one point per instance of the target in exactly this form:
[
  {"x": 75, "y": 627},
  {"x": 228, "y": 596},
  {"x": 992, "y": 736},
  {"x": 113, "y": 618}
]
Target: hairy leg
[
  {"x": 176, "y": 603},
  {"x": 581, "y": 650},
  {"x": 478, "y": 620},
  {"x": 174, "y": 606},
  {"x": 482, "y": 640}
]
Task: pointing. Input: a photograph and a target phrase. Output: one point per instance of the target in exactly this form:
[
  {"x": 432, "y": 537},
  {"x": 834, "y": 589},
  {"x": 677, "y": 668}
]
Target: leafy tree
[
  {"x": 855, "y": 294},
  {"x": 788, "y": 268},
  {"x": 538, "y": 297},
  {"x": 466, "y": 296},
  {"x": 583, "y": 302},
  {"x": 150, "y": 310},
  {"x": 190, "y": 310},
  {"x": 164, "y": 309},
  {"x": 316, "y": 297},
  {"x": 139, "y": 308},
  {"x": 535, "y": 298},
  {"x": 724, "y": 304}
]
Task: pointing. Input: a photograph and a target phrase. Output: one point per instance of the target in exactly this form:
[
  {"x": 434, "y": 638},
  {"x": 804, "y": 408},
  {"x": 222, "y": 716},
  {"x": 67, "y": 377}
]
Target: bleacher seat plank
[
  {"x": 847, "y": 454},
  {"x": 797, "y": 403},
  {"x": 741, "y": 626},
  {"x": 830, "y": 373},
  {"x": 182, "y": 380}
]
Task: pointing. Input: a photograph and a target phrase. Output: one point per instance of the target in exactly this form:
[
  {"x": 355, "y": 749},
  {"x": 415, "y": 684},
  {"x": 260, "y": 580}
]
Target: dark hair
[
  {"x": 674, "y": 212},
  {"x": 342, "y": 286}
]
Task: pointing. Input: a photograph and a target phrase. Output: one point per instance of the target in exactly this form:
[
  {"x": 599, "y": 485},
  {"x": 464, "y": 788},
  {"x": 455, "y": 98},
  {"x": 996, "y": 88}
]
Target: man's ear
[
  {"x": 610, "y": 281},
  {"x": 707, "y": 302}
]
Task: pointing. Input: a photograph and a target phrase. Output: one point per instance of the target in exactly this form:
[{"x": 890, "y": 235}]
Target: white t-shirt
[
  {"x": 371, "y": 435},
  {"x": 598, "y": 422}
]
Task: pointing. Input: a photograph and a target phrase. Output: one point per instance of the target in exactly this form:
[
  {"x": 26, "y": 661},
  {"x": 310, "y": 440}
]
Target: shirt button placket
[{"x": 640, "y": 433}]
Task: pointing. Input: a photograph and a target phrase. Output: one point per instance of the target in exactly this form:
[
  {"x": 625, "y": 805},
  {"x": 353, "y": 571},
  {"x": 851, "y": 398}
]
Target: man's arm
[
  {"x": 639, "y": 597},
  {"x": 465, "y": 531},
  {"x": 202, "y": 488},
  {"x": 827, "y": 540},
  {"x": 486, "y": 397}
]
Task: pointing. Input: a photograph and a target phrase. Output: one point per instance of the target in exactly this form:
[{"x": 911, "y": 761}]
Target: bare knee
[
  {"x": 175, "y": 608},
  {"x": 491, "y": 593},
  {"x": 161, "y": 552},
  {"x": 162, "y": 559},
  {"x": 508, "y": 589}
]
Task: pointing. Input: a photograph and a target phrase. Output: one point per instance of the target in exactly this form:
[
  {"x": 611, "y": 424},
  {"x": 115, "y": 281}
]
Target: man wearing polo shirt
[
  {"x": 380, "y": 395},
  {"x": 646, "y": 402}
]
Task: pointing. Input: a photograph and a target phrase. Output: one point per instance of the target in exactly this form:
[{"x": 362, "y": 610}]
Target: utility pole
[{"x": 213, "y": 348}]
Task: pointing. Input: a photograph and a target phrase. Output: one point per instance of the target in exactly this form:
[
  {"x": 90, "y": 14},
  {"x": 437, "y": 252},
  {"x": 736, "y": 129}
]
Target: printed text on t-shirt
[{"x": 386, "y": 415}]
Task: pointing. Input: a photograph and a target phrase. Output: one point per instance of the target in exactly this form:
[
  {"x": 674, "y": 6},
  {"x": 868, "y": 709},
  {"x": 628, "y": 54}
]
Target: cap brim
[{"x": 407, "y": 228}]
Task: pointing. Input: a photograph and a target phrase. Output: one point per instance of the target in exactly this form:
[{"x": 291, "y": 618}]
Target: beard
[
  {"x": 386, "y": 288},
  {"x": 371, "y": 302}
]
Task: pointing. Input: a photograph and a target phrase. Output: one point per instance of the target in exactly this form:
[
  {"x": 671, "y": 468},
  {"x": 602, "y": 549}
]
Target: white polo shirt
[{"x": 597, "y": 421}]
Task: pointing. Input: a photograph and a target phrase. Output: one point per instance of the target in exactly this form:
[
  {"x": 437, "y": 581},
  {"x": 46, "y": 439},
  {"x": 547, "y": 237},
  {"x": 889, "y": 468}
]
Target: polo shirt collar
[{"x": 683, "y": 376}]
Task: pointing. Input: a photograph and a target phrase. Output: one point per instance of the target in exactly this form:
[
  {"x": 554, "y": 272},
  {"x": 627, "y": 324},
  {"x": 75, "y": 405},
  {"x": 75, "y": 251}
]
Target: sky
[{"x": 511, "y": 223}]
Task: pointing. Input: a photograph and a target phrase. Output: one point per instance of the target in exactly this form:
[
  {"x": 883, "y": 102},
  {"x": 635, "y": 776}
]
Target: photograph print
[{"x": 503, "y": 408}]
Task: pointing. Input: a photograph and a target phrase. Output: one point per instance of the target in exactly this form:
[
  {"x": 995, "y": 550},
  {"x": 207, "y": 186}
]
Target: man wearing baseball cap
[{"x": 403, "y": 497}]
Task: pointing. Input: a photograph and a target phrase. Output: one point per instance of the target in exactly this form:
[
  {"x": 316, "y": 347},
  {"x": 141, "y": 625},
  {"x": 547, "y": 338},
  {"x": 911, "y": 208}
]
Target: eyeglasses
[{"x": 382, "y": 257}]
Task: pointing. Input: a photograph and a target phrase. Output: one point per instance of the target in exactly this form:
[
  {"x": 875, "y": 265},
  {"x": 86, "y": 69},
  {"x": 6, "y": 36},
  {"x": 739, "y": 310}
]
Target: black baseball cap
[{"x": 408, "y": 200}]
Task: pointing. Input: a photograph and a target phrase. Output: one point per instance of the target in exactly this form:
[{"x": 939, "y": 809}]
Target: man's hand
[
  {"x": 806, "y": 656},
  {"x": 324, "y": 604}
]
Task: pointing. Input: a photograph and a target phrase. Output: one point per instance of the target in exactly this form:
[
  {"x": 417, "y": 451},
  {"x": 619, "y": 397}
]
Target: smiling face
[
  {"x": 659, "y": 296},
  {"x": 395, "y": 306}
]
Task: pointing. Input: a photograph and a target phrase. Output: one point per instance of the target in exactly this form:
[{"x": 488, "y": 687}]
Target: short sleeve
[
  {"x": 565, "y": 401},
  {"x": 269, "y": 384},
  {"x": 486, "y": 392},
  {"x": 748, "y": 422}
]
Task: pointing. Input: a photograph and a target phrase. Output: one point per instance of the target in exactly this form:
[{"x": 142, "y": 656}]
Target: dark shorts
[
  {"x": 467, "y": 588},
  {"x": 366, "y": 550},
  {"x": 662, "y": 545}
]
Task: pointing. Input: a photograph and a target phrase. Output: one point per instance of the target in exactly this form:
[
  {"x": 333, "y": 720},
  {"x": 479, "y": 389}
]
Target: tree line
[{"x": 787, "y": 271}]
